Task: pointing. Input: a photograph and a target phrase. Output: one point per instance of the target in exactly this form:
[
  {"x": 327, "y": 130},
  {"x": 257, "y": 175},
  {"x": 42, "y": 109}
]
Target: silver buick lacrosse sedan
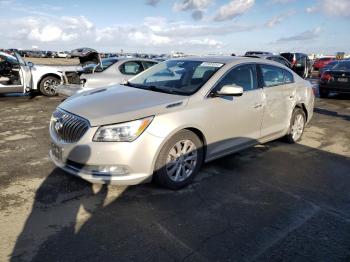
[{"x": 163, "y": 124}]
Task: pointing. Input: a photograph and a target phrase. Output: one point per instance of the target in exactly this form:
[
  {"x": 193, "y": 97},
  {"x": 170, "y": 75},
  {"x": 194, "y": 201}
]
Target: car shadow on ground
[
  {"x": 331, "y": 113},
  {"x": 273, "y": 202}
]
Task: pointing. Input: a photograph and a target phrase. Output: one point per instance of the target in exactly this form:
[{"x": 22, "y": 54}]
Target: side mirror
[
  {"x": 230, "y": 90},
  {"x": 30, "y": 64}
]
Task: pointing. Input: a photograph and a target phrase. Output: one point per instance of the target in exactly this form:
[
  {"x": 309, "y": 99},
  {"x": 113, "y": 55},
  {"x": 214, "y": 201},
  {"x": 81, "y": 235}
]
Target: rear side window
[
  {"x": 288, "y": 77},
  {"x": 148, "y": 64},
  {"x": 272, "y": 75},
  {"x": 243, "y": 76},
  {"x": 131, "y": 68}
]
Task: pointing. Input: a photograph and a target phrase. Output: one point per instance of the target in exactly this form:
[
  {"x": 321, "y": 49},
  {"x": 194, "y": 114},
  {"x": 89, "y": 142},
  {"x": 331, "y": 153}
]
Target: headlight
[{"x": 124, "y": 132}]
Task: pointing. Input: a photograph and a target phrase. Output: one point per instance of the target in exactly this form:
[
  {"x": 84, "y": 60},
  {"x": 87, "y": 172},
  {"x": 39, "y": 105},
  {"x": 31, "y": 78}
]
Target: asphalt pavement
[{"x": 273, "y": 202}]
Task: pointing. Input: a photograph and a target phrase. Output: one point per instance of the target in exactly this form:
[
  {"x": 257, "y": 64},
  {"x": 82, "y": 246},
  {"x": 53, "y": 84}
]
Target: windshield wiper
[{"x": 166, "y": 90}]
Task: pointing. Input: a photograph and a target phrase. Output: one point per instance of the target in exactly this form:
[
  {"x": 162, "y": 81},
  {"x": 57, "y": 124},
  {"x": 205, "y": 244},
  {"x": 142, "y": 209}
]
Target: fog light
[{"x": 106, "y": 170}]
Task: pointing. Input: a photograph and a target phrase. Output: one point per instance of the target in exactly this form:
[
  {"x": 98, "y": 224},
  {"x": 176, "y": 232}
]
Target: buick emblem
[{"x": 59, "y": 124}]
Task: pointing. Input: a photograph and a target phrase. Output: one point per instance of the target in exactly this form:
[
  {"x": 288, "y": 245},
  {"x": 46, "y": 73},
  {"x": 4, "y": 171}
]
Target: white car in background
[
  {"x": 17, "y": 75},
  {"x": 62, "y": 55},
  {"x": 97, "y": 72}
]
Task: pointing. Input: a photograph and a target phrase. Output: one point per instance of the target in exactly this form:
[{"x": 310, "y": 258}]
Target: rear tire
[
  {"x": 296, "y": 127},
  {"x": 179, "y": 160},
  {"x": 48, "y": 85}
]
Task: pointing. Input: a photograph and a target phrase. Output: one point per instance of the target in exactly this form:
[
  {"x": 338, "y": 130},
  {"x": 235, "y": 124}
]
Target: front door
[
  {"x": 26, "y": 72},
  {"x": 11, "y": 74},
  {"x": 235, "y": 122}
]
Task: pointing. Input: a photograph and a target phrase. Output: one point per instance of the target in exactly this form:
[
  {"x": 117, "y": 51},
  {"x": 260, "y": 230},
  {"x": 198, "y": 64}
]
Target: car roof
[
  {"x": 213, "y": 59},
  {"x": 133, "y": 59},
  {"x": 263, "y": 56}
]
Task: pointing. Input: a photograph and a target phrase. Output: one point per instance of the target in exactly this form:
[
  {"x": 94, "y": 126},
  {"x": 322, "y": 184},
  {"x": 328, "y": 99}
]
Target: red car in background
[{"x": 322, "y": 62}]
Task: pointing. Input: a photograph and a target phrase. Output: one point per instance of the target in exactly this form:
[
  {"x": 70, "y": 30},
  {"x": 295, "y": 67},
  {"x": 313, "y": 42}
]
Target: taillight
[{"x": 326, "y": 77}]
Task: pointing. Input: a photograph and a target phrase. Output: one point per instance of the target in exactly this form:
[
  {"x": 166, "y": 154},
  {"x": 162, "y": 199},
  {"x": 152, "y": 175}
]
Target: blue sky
[{"x": 191, "y": 26}]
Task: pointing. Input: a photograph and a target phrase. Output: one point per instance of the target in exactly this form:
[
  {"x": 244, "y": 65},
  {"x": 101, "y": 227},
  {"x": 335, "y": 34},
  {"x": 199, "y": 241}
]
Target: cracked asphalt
[{"x": 273, "y": 202}]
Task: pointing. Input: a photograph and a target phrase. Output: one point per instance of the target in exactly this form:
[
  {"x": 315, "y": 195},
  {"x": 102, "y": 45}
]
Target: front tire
[
  {"x": 179, "y": 160},
  {"x": 297, "y": 125},
  {"x": 48, "y": 85}
]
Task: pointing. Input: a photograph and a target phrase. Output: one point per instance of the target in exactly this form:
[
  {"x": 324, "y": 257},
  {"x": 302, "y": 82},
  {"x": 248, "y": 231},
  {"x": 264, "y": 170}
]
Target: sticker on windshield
[{"x": 209, "y": 64}]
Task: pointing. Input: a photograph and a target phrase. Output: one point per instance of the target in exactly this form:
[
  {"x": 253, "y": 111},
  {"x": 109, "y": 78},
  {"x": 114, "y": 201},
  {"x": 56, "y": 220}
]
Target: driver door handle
[{"x": 258, "y": 106}]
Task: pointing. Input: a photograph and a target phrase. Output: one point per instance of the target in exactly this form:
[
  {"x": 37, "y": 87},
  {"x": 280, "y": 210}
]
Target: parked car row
[{"x": 298, "y": 62}]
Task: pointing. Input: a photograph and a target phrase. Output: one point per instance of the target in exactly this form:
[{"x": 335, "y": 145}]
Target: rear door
[{"x": 279, "y": 92}]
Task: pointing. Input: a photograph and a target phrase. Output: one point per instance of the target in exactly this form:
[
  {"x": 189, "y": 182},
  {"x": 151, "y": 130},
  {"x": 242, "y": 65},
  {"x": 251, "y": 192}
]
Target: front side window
[
  {"x": 272, "y": 75},
  {"x": 243, "y": 76},
  {"x": 176, "y": 76},
  {"x": 131, "y": 68}
]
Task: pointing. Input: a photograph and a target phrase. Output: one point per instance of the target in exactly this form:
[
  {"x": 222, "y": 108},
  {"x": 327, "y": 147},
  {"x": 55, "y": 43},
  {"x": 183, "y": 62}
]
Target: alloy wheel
[
  {"x": 50, "y": 86},
  {"x": 181, "y": 160},
  {"x": 298, "y": 127}
]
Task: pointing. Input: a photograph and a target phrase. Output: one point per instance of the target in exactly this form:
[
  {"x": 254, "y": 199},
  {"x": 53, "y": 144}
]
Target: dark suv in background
[{"x": 300, "y": 63}]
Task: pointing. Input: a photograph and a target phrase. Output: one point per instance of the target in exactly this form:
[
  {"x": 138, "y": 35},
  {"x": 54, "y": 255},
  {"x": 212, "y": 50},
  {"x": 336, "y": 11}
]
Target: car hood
[{"x": 119, "y": 103}]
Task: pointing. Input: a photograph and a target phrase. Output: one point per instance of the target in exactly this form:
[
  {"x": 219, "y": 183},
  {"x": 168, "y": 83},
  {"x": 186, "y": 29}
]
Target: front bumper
[{"x": 136, "y": 158}]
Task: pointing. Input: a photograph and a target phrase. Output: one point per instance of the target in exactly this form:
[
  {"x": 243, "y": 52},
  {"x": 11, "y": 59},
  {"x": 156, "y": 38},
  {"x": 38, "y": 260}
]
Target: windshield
[
  {"x": 176, "y": 76},
  {"x": 342, "y": 66},
  {"x": 105, "y": 64}
]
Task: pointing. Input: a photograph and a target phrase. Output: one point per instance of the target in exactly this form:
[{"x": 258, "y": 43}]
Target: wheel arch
[
  {"x": 303, "y": 107},
  {"x": 46, "y": 75},
  {"x": 195, "y": 130}
]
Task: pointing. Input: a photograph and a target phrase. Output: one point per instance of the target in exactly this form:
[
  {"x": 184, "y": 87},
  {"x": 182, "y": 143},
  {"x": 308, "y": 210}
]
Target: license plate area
[
  {"x": 342, "y": 80},
  {"x": 56, "y": 152}
]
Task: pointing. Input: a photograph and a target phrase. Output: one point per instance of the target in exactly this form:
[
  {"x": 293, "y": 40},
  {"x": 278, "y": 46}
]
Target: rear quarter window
[
  {"x": 272, "y": 75},
  {"x": 288, "y": 77}
]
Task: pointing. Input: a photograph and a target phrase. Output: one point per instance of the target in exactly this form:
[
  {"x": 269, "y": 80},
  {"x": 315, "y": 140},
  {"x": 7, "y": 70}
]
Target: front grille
[{"x": 67, "y": 127}]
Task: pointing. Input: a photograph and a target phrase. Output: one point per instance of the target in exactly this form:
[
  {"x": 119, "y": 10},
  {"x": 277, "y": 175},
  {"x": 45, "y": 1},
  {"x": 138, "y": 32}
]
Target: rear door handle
[
  {"x": 258, "y": 106},
  {"x": 291, "y": 97}
]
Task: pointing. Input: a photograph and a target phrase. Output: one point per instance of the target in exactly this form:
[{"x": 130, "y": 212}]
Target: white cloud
[
  {"x": 186, "y": 5},
  {"x": 233, "y": 9},
  {"x": 304, "y": 36},
  {"x": 281, "y": 1},
  {"x": 336, "y": 8},
  {"x": 198, "y": 7},
  {"x": 152, "y": 2},
  {"x": 155, "y": 33},
  {"x": 276, "y": 20},
  {"x": 206, "y": 42}
]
